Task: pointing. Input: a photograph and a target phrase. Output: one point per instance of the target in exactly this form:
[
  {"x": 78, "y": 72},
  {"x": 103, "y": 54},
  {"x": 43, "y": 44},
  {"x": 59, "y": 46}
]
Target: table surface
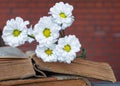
[{"x": 105, "y": 84}]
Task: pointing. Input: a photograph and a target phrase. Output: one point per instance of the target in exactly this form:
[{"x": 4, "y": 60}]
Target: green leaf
[{"x": 83, "y": 54}]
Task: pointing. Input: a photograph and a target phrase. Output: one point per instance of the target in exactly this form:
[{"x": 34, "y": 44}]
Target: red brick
[
  {"x": 95, "y": 16},
  {"x": 40, "y": 1},
  {"x": 19, "y": 1},
  {"x": 111, "y": 23},
  {"x": 86, "y": 16},
  {"x": 4, "y": 5},
  {"x": 81, "y": 4},
  {"x": 12, "y": 5},
  {"x": 21, "y": 11},
  {"x": 117, "y": 5},
  {"x": 116, "y": 29},
  {"x": 108, "y": 40},
  {"x": 4, "y": 1},
  {"x": 82, "y": 23},
  {"x": 27, "y": 5},
  {"x": 21, "y": 5},
  {"x": 4, "y": 11},
  {"x": 98, "y": 11},
  {"x": 86, "y": 5},
  {"x": 42, "y": 5},
  {"x": 107, "y": 29},
  {"x": 90, "y": 28},
  {"x": 108, "y": 5},
  {"x": 93, "y": 11},
  {"x": 3, "y": 17},
  {"x": 37, "y": 11},
  {"x": 27, "y": 46},
  {"x": 99, "y": 4},
  {"x": 113, "y": 10},
  {"x": 2, "y": 23},
  {"x": 116, "y": 17}
]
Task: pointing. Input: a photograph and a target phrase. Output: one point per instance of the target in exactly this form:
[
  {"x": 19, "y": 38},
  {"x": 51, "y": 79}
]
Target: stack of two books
[{"x": 19, "y": 69}]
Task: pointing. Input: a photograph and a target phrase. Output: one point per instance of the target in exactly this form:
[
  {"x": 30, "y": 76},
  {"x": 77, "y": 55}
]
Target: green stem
[
  {"x": 62, "y": 33},
  {"x": 83, "y": 54},
  {"x": 31, "y": 36}
]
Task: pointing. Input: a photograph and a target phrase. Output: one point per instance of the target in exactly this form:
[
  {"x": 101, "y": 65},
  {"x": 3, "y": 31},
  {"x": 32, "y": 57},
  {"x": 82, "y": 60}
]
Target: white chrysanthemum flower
[
  {"x": 67, "y": 48},
  {"x": 30, "y": 35},
  {"x": 46, "y": 32},
  {"x": 62, "y": 14},
  {"x": 46, "y": 53},
  {"x": 15, "y": 32}
]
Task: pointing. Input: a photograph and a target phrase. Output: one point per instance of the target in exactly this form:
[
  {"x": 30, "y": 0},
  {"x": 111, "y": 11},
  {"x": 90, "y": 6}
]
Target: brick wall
[{"x": 97, "y": 24}]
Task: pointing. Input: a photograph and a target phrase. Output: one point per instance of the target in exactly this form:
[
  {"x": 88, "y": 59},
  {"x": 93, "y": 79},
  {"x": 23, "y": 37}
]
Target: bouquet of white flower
[{"x": 48, "y": 32}]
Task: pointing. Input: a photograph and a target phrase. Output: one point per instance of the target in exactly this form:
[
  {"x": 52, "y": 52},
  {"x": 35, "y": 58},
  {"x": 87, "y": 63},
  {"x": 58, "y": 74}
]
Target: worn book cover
[
  {"x": 79, "y": 67},
  {"x": 14, "y": 64},
  {"x": 48, "y": 81}
]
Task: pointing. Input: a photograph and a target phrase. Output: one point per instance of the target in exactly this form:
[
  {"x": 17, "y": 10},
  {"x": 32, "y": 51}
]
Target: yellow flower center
[
  {"x": 46, "y": 32},
  {"x": 49, "y": 52},
  {"x": 62, "y": 15},
  {"x": 67, "y": 48},
  {"x": 16, "y": 32}
]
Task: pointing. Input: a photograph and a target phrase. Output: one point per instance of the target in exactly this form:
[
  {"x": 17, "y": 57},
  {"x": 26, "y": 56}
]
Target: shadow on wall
[{"x": 1, "y": 41}]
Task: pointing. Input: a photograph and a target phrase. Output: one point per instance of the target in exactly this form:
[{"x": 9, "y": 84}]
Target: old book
[
  {"x": 14, "y": 64},
  {"x": 80, "y": 67},
  {"x": 49, "y": 81}
]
